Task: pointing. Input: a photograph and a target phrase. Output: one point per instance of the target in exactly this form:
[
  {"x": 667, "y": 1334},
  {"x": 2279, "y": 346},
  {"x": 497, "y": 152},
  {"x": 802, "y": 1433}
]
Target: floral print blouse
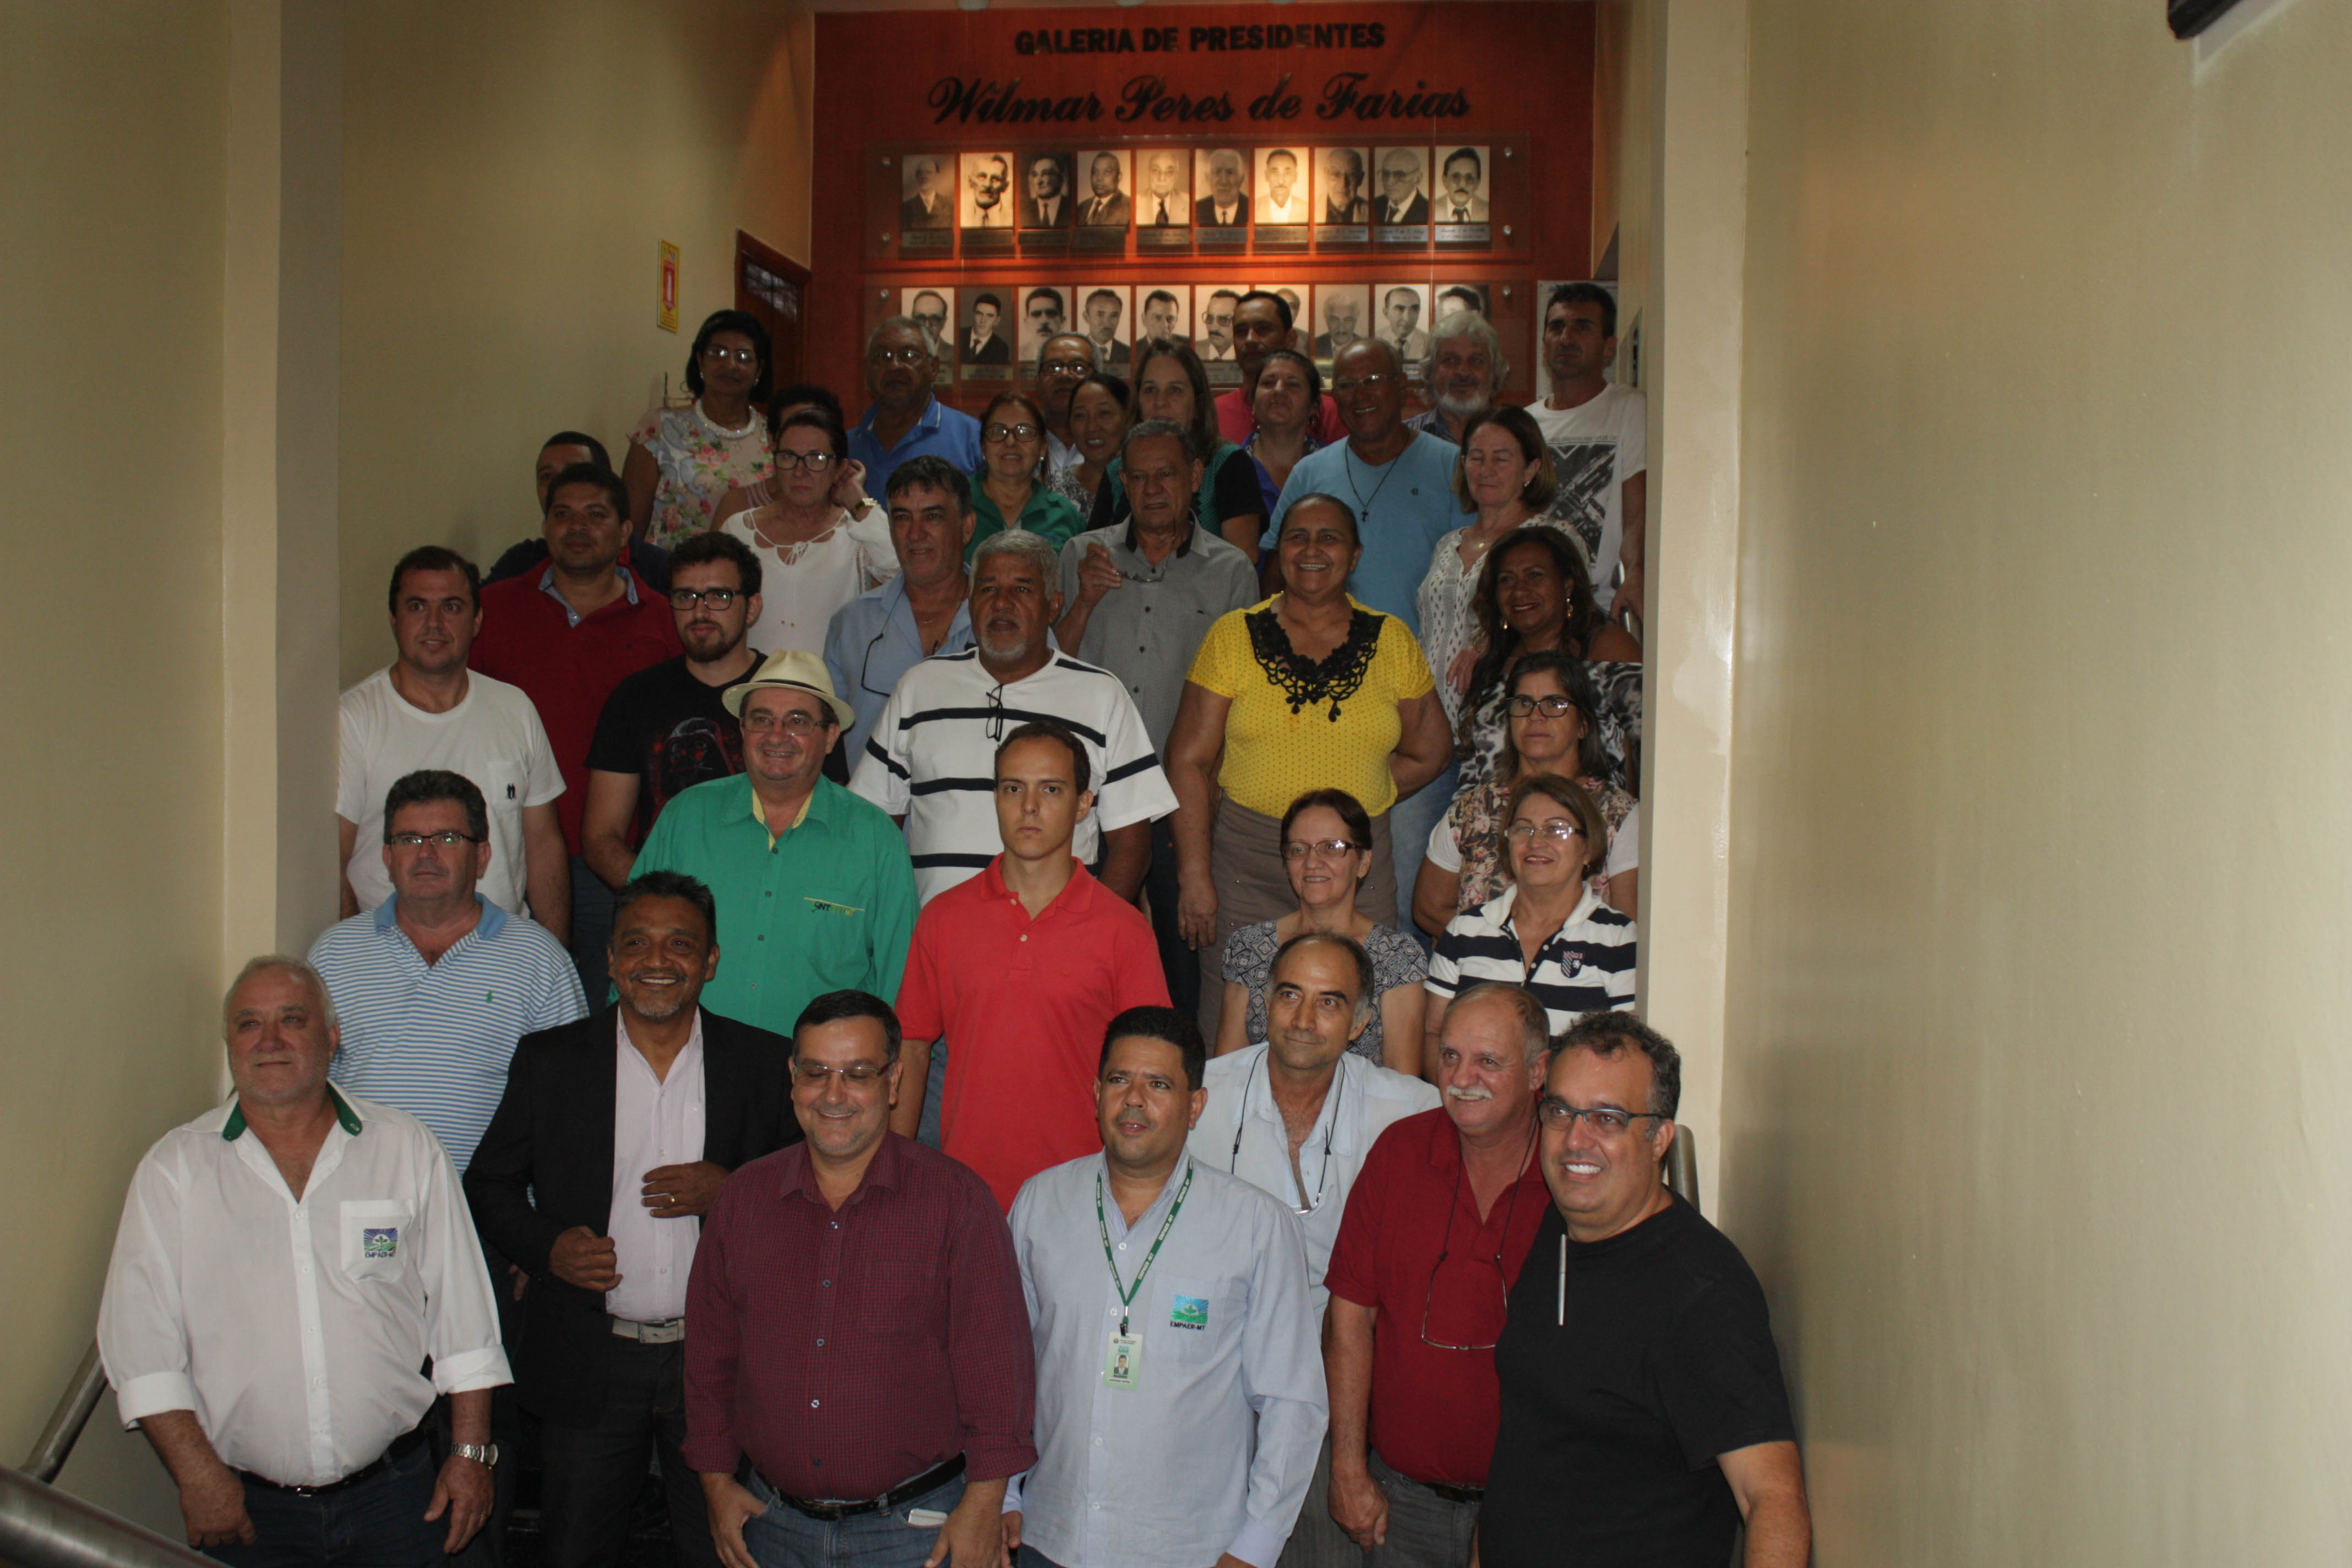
[{"x": 699, "y": 464}]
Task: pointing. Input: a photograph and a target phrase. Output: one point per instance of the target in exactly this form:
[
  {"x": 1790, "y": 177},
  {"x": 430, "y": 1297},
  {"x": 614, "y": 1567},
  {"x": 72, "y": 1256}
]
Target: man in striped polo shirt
[{"x": 932, "y": 757}]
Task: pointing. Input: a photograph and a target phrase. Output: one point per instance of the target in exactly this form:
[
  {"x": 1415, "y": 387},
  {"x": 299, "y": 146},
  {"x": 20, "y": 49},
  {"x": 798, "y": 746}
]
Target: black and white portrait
[
  {"x": 1341, "y": 310},
  {"x": 1103, "y": 316},
  {"x": 988, "y": 190},
  {"x": 927, "y": 187},
  {"x": 1282, "y": 186},
  {"x": 1166, "y": 198},
  {"x": 1342, "y": 194},
  {"x": 1403, "y": 321},
  {"x": 1403, "y": 198},
  {"x": 1294, "y": 296},
  {"x": 1046, "y": 190},
  {"x": 1462, "y": 184},
  {"x": 1223, "y": 180},
  {"x": 1213, "y": 328},
  {"x": 1103, "y": 202},
  {"x": 1165, "y": 311},
  {"x": 1044, "y": 310},
  {"x": 932, "y": 308},
  {"x": 983, "y": 333},
  {"x": 1453, "y": 297}
]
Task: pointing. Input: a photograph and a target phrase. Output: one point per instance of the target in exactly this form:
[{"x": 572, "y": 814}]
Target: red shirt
[
  {"x": 528, "y": 640},
  {"x": 1434, "y": 1412},
  {"x": 1237, "y": 421},
  {"x": 849, "y": 1351},
  {"x": 1023, "y": 1004}
]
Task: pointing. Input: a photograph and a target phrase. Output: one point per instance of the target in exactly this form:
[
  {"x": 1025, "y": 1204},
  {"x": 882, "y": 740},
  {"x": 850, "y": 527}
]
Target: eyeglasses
[
  {"x": 1522, "y": 832},
  {"x": 898, "y": 356},
  {"x": 1444, "y": 1248},
  {"x": 448, "y": 838},
  {"x": 814, "y": 462},
  {"x": 1606, "y": 1121},
  {"x": 799, "y": 723},
  {"x": 1067, "y": 367},
  {"x": 1374, "y": 381},
  {"x": 1330, "y": 848},
  {"x": 856, "y": 1074},
  {"x": 741, "y": 356},
  {"x": 1021, "y": 432},
  {"x": 1549, "y": 707},
  {"x": 717, "y": 598}
]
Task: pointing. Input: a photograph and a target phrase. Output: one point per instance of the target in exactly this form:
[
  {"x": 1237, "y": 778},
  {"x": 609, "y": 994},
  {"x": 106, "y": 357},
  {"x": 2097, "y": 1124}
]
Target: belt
[
  {"x": 402, "y": 1447},
  {"x": 668, "y": 1332},
  {"x": 929, "y": 1480},
  {"x": 1454, "y": 1494}
]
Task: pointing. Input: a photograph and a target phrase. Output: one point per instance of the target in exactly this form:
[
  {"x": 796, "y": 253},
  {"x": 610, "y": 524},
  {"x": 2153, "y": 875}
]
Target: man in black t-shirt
[
  {"x": 1643, "y": 1416},
  {"x": 663, "y": 729}
]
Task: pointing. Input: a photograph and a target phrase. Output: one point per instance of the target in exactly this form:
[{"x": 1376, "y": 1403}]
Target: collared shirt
[
  {"x": 434, "y": 1038},
  {"x": 1241, "y": 1130},
  {"x": 1407, "y": 504},
  {"x": 941, "y": 432},
  {"x": 1021, "y": 1004},
  {"x": 932, "y": 758},
  {"x": 1211, "y": 1452},
  {"x": 294, "y": 1327},
  {"x": 1586, "y": 966},
  {"x": 848, "y": 1349},
  {"x": 1146, "y": 630},
  {"x": 871, "y": 645},
  {"x": 1048, "y": 513},
  {"x": 1432, "y": 422},
  {"x": 547, "y": 586},
  {"x": 1433, "y": 1410},
  {"x": 826, "y": 905},
  {"x": 657, "y": 1121}
]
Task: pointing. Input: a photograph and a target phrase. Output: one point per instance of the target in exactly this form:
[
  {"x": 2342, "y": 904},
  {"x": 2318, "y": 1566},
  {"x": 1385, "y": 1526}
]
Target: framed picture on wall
[
  {"x": 1342, "y": 312},
  {"x": 984, "y": 336},
  {"x": 926, "y": 204},
  {"x": 1222, "y": 177},
  {"x": 1103, "y": 316},
  {"x": 932, "y": 305},
  {"x": 987, "y": 204},
  {"x": 1462, "y": 214},
  {"x": 1165, "y": 311},
  {"x": 1402, "y": 322},
  {"x": 1213, "y": 328},
  {"x": 1046, "y": 200},
  {"x": 1106, "y": 208},
  {"x": 1342, "y": 196},
  {"x": 1285, "y": 209},
  {"x": 1400, "y": 208},
  {"x": 1453, "y": 297},
  {"x": 1044, "y": 310}
]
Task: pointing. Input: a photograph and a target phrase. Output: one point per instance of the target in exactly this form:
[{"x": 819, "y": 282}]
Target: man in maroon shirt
[
  {"x": 1437, "y": 1227},
  {"x": 567, "y": 635},
  {"x": 858, "y": 1376}
]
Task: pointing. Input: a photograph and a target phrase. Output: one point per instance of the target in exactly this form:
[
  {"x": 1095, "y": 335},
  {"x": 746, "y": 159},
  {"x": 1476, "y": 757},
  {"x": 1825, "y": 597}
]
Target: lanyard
[
  {"x": 1240, "y": 1124},
  {"x": 1126, "y": 1293}
]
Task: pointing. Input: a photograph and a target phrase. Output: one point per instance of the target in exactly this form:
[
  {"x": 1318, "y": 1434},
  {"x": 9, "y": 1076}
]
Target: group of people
[{"x": 791, "y": 891}]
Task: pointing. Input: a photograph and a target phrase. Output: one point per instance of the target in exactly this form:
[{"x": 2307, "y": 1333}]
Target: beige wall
[
  {"x": 2037, "y": 1080},
  {"x": 512, "y": 171}
]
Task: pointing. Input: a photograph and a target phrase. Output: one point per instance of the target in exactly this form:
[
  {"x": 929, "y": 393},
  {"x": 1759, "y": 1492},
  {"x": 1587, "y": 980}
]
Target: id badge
[{"x": 1123, "y": 1362}]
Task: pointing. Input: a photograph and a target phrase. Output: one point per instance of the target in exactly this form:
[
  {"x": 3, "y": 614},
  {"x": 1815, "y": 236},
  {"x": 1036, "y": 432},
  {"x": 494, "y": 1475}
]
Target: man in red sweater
[{"x": 567, "y": 635}]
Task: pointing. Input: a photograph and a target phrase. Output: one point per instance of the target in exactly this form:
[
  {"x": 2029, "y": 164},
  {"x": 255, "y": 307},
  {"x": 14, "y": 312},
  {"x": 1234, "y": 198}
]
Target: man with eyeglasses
[
  {"x": 1064, "y": 360},
  {"x": 1438, "y": 1223},
  {"x": 1297, "y": 1114},
  {"x": 666, "y": 729},
  {"x": 811, "y": 883},
  {"x": 926, "y": 609},
  {"x": 1137, "y": 599},
  {"x": 906, "y": 421},
  {"x": 608, "y": 1148},
  {"x": 1016, "y": 970},
  {"x": 1401, "y": 201},
  {"x": 1179, "y": 1400},
  {"x": 1401, "y": 483},
  {"x": 1643, "y": 1416},
  {"x": 859, "y": 1385}
]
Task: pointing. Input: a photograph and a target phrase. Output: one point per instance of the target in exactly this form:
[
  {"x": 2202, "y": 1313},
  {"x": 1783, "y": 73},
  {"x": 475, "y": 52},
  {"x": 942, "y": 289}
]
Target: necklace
[
  {"x": 1364, "y": 505},
  {"x": 722, "y": 431},
  {"x": 1301, "y": 681}
]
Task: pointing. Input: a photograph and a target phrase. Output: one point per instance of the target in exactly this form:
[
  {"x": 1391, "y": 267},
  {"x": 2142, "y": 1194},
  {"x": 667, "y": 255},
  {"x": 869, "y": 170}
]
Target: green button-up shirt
[{"x": 827, "y": 905}]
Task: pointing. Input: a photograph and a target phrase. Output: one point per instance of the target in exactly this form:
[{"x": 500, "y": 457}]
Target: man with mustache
[
  {"x": 606, "y": 1152},
  {"x": 877, "y": 637},
  {"x": 905, "y": 420},
  {"x": 1438, "y": 1222},
  {"x": 568, "y": 636},
  {"x": 1465, "y": 366},
  {"x": 812, "y": 882}
]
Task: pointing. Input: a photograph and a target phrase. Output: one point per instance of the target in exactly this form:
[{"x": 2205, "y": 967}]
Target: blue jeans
[
  {"x": 591, "y": 932},
  {"x": 783, "y": 1537},
  {"x": 1411, "y": 822},
  {"x": 379, "y": 1523}
]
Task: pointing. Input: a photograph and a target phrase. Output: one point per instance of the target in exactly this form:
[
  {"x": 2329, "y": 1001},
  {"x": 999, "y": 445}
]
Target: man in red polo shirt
[
  {"x": 1017, "y": 971},
  {"x": 1437, "y": 1227},
  {"x": 567, "y": 635}
]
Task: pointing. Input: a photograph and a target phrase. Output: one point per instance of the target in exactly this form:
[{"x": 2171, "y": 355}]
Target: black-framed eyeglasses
[
  {"x": 448, "y": 838},
  {"x": 1549, "y": 707},
  {"x": 1021, "y": 432},
  {"x": 1606, "y": 1121},
  {"x": 814, "y": 462},
  {"x": 741, "y": 356},
  {"x": 717, "y": 598},
  {"x": 996, "y": 712}
]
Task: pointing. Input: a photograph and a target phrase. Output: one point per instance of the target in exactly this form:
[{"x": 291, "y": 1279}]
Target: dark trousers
[
  {"x": 1317, "y": 1541},
  {"x": 489, "y": 1547},
  {"x": 1177, "y": 959},
  {"x": 1425, "y": 1531},
  {"x": 592, "y": 930},
  {"x": 593, "y": 1473},
  {"x": 379, "y": 1523}
]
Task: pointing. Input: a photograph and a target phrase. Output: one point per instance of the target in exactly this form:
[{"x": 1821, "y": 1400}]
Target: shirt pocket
[
  {"x": 502, "y": 787},
  {"x": 1193, "y": 1318},
  {"x": 377, "y": 1236}
]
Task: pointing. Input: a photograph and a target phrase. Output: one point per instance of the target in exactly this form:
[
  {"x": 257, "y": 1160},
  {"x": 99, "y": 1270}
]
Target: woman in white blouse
[
  {"x": 1506, "y": 473},
  {"x": 816, "y": 556}
]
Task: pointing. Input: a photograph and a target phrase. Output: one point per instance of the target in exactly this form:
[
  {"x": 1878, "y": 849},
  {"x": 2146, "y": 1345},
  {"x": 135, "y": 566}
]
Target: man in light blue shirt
[
  {"x": 926, "y": 609},
  {"x": 905, "y": 420},
  {"x": 1180, "y": 1386}
]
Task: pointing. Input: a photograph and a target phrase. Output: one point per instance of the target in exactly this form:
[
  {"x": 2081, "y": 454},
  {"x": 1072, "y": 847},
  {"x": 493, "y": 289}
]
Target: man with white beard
[
  {"x": 1438, "y": 1222},
  {"x": 1465, "y": 369}
]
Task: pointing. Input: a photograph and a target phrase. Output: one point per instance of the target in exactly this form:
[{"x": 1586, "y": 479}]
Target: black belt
[
  {"x": 407, "y": 1443},
  {"x": 929, "y": 1480},
  {"x": 1454, "y": 1494}
]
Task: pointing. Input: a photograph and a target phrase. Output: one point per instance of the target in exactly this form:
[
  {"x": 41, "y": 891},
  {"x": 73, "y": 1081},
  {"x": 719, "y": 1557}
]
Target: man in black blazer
[
  {"x": 1047, "y": 205},
  {"x": 651, "y": 1101}
]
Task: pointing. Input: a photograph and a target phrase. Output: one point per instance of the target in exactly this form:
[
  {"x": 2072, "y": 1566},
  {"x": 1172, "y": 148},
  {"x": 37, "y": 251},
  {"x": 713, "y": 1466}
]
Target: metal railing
[
  {"x": 55, "y": 1444},
  {"x": 41, "y": 1527},
  {"x": 1682, "y": 1166}
]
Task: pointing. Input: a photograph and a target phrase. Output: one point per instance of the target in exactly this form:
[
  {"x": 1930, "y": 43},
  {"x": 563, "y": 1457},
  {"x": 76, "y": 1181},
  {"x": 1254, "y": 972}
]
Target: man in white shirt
[
  {"x": 1464, "y": 171},
  {"x": 1164, "y": 205},
  {"x": 1167, "y": 1297},
  {"x": 429, "y": 711},
  {"x": 606, "y": 1152},
  {"x": 1282, "y": 200},
  {"x": 286, "y": 1263},
  {"x": 1297, "y": 1115},
  {"x": 1599, "y": 432}
]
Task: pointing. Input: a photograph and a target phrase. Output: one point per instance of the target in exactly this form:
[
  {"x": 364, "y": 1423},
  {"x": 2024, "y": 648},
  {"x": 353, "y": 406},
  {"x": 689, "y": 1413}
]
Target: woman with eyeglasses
[
  {"x": 1289, "y": 391},
  {"x": 1305, "y": 690},
  {"x": 815, "y": 554},
  {"x": 1505, "y": 474},
  {"x": 1098, "y": 419},
  {"x": 1554, "y": 727},
  {"x": 1171, "y": 385},
  {"x": 1011, "y": 481},
  {"x": 682, "y": 461},
  {"x": 1327, "y": 849},
  {"x": 1548, "y": 931}
]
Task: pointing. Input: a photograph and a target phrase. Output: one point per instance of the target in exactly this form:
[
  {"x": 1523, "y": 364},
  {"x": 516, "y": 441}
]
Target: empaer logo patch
[{"x": 385, "y": 1242}]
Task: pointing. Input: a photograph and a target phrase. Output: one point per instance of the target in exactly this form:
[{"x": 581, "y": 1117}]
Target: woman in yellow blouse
[{"x": 1306, "y": 690}]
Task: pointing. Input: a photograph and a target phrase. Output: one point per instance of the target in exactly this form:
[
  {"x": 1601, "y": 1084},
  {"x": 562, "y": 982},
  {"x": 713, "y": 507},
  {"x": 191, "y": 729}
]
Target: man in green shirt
[{"x": 814, "y": 887}]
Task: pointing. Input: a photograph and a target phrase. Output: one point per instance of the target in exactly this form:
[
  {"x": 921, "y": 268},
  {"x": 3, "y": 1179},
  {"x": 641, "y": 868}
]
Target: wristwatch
[{"x": 483, "y": 1453}]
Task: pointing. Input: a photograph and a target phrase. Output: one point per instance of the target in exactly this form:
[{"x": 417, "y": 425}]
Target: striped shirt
[
  {"x": 434, "y": 1039},
  {"x": 931, "y": 758},
  {"x": 1587, "y": 965}
]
